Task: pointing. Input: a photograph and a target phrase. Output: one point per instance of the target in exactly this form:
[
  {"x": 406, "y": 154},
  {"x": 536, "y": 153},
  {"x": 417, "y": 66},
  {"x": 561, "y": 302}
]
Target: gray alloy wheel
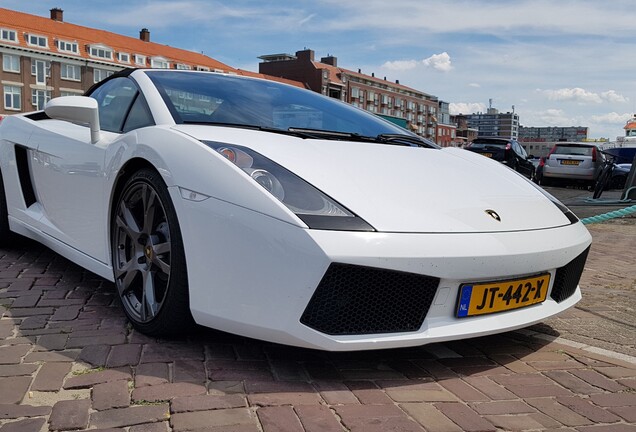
[{"x": 148, "y": 257}]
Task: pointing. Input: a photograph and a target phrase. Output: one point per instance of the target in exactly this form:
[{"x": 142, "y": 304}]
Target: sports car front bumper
[{"x": 254, "y": 275}]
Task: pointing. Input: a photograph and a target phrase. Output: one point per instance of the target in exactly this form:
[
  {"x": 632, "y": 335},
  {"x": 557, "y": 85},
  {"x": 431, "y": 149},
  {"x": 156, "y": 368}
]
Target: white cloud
[
  {"x": 580, "y": 95},
  {"x": 466, "y": 108},
  {"x": 307, "y": 19},
  {"x": 544, "y": 17},
  {"x": 474, "y": 85},
  {"x": 440, "y": 62},
  {"x": 613, "y": 118},
  {"x": 612, "y": 96},
  {"x": 400, "y": 65},
  {"x": 554, "y": 117},
  {"x": 576, "y": 94}
]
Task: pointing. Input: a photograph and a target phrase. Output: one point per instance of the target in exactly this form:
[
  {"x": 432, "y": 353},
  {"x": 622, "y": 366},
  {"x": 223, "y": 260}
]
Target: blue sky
[{"x": 560, "y": 63}]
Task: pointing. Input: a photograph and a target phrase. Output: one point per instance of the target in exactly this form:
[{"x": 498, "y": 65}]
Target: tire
[
  {"x": 148, "y": 257},
  {"x": 5, "y": 233},
  {"x": 618, "y": 182},
  {"x": 602, "y": 182}
]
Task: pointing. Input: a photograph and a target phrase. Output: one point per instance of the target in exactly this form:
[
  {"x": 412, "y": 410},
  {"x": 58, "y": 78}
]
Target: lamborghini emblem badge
[{"x": 493, "y": 214}]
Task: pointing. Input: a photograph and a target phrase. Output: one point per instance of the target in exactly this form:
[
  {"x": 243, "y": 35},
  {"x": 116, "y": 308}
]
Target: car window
[
  {"x": 114, "y": 99},
  {"x": 573, "y": 150},
  {"x": 139, "y": 115},
  {"x": 484, "y": 142},
  {"x": 519, "y": 149}
]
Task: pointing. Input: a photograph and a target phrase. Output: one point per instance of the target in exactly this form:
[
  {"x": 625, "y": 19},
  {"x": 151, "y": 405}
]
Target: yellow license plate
[
  {"x": 570, "y": 162},
  {"x": 491, "y": 297},
  {"x": 487, "y": 154}
]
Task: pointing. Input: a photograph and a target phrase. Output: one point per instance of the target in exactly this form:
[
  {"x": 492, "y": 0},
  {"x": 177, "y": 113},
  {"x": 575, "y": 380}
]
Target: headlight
[{"x": 312, "y": 206}]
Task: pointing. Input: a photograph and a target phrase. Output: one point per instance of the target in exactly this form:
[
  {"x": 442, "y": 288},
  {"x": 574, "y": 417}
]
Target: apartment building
[
  {"x": 47, "y": 57},
  {"x": 386, "y": 98},
  {"x": 552, "y": 134},
  {"x": 492, "y": 123}
]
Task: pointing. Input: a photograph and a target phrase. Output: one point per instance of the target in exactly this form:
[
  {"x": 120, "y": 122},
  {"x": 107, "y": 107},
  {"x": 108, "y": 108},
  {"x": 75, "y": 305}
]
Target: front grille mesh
[
  {"x": 353, "y": 300},
  {"x": 567, "y": 277}
]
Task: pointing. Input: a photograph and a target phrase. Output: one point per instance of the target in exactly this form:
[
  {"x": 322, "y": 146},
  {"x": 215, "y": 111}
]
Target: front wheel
[
  {"x": 148, "y": 257},
  {"x": 602, "y": 182}
]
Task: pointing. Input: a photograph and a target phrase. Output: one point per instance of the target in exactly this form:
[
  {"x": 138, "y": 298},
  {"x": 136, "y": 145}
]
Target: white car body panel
[
  {"x": 412, "y": 194},
  {"x": 253, "y": 264}
]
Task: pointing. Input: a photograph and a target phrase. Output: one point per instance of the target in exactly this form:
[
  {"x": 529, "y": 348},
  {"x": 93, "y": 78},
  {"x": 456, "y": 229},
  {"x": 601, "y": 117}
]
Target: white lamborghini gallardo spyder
[{"x": 270, "y": 211}]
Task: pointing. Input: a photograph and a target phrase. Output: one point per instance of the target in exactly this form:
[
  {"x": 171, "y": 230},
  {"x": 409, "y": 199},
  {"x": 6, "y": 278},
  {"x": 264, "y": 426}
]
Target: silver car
[{"x": 572, "y": 161}]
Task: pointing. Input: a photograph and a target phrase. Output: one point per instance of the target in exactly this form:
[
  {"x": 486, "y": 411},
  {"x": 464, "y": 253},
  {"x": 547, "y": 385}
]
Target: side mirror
[{"x": 76, "y": 109}]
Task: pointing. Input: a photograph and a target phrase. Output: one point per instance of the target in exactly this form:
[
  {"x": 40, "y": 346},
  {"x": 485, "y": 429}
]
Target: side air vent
[
  {"x": 22, "y": 161},
  {"x": 567, "y": 277}
]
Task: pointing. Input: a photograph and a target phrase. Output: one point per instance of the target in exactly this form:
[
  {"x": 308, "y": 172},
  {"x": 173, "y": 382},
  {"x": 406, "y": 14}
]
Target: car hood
[{"x": 405, "y": 189}]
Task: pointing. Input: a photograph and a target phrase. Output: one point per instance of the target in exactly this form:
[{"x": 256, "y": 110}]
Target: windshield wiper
[
  {"x": 334, "y": 135},
  {"x": 407, "y": 140},
  {"x": 290, "y": 131},
  {"x": 392, "y": 139}
]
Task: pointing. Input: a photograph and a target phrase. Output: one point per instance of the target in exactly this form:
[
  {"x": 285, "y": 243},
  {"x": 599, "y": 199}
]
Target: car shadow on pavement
[
  {"x": 62, "y": 310},
  {"x": 65, "y": 338}
]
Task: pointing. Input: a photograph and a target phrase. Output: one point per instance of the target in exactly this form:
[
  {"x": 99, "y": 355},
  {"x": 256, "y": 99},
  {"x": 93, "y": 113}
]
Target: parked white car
[
  {"x": 572, "y": 162},
  {"x": 273, "y": 212}
]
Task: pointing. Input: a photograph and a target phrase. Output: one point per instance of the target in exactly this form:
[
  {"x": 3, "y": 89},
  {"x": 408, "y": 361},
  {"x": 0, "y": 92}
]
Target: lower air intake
[
  {"x": 354, "y": 300},
  {"x": 567, "y": 278}
]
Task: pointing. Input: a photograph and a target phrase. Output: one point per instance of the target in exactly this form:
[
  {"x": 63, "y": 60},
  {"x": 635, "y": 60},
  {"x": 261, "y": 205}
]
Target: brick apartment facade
[
  {"x": 417, "y": 110},
  {"x": 44, "y": 58}
]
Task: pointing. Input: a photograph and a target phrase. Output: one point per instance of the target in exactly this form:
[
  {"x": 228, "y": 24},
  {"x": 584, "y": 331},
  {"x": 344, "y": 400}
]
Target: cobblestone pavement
[{"x": 69, "y": 361}]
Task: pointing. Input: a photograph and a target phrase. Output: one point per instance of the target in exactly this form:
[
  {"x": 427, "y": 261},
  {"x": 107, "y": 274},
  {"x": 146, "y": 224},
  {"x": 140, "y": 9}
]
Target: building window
[
  {"x": 182, "y": 66},
  {"x": 71, "y": 93},
  {"x": 12, "y": 98},
  {"x": 100, "y": 51},
  {"x": 101, "y": 74},
  {"x": 123, "y": 57},
  {"x": 39, "y": 41},
  {"x": 39, "y": 98},
  {"x": 140, "y": 60},
  {"x": 160, "y": 63},
  {"x": 70, "y": 72},
  {"x": 41, "y": 70},
  {"x": 10, "y": 63},
  {"x": 8, "y": 35},
  {"x": 203, "y": 68},
  {"x": 67, "y": 47},
  {"x": 355, "y": 92}
]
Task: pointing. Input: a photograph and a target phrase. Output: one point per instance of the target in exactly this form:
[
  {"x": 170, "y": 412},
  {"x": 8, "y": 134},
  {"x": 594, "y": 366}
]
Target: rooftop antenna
[{"x": 490, "y": 103}]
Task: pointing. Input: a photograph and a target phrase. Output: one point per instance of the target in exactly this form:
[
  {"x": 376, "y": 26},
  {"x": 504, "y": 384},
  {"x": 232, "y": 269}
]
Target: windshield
[{"x": 211, "y": 98}]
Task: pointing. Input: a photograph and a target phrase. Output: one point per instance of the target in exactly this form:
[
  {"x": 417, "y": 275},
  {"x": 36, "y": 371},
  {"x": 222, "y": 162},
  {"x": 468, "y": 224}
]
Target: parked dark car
[
  {"x": 507, "y": 151},
  {"x": 619, "y": 175}
]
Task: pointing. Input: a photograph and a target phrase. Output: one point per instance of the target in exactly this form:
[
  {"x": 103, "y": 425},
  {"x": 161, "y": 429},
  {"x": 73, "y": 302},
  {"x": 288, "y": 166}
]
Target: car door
[
  {"x": 70, "y": 177},
  {"x": 525, "y": 167}
]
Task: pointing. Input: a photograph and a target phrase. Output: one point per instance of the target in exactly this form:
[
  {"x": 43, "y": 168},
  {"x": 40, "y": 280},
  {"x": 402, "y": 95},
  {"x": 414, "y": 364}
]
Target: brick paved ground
[{"x": 69, "y": 361}]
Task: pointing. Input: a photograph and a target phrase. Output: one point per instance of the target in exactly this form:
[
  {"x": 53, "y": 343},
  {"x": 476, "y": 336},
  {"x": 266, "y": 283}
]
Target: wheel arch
[{"x": 125, "y": 172}]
